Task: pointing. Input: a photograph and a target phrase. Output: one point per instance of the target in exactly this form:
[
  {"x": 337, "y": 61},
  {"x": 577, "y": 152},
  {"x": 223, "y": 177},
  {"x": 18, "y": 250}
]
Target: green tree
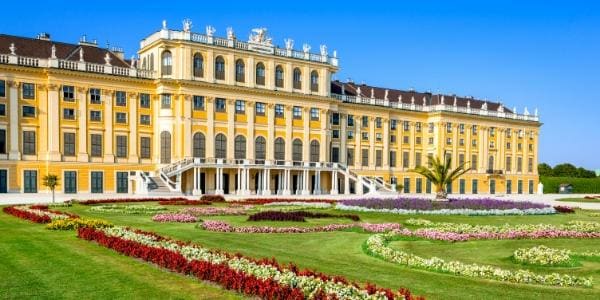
[
  {"x": 440, "y": 174},
  {"x": 51, "y": 181},
  {"x": 545, "y": 169},
  {"x": 564, "y": 170}
]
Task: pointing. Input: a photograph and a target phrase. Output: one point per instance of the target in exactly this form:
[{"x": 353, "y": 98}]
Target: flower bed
[
  {"x": 302, "y": 204},
  {"x": 221, "y": 226},
  {"x": 174, "y": 217},
  {"x": 481, "y": 207},
  {"x": 39, "y": 214},
  {"x": 212, "y": 198},
  {"x": 215, "y": 211},
  {"x": 128, "y": 209},
  {"x": 129, "y": 200},
  {"x": 295, "y": 216},
  {"x": 276, "y": 200},
  {"x": 543, "y": 256},
  {"x": 263, "y": 279},
  {"x": 184, "y": 202},
  {"x": 76, "y": 223},
  {"x": 377, "y": 245}
]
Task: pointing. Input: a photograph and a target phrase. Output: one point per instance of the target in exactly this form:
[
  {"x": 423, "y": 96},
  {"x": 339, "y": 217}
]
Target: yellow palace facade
[{"x": 200, "y": 114}]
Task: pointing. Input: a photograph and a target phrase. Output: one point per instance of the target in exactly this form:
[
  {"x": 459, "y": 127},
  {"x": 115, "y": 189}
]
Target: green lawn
[
  {"x": 581, "y": 200},
  {"x": 335, "y": 253}
]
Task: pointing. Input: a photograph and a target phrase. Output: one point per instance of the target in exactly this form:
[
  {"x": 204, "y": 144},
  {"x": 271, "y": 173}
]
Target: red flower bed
[
  {"x": 295, "y": 216},
  {"x": 130, "y": 200},
  {"x": 184, "y": 202},
  {"x": 11, "y": 210},
  {"x": 218, "y": 273},
  {"x": 272, "y": 200},
  {"x": 212, "y": 198},
  {"x": 564, "y": 209}
]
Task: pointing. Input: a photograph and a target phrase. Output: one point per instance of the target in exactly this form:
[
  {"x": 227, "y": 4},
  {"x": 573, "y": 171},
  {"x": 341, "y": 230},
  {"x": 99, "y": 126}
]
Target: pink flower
[{"x": 174, "y": 217}]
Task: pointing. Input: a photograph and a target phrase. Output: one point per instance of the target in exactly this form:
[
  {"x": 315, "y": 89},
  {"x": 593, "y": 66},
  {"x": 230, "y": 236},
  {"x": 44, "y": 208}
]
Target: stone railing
[
  {"x": 436, "y": 108},
  {"x": 74, "y": 65},
  {"x": 237, "y": 44}
]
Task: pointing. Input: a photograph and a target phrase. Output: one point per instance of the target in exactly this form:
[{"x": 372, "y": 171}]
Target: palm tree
[
  {"x": 50, "y": 181},
  {"x": 440, "y": 174}
]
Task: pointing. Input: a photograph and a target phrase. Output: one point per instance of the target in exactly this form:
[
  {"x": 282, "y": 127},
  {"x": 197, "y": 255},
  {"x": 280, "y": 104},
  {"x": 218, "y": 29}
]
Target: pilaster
[
  {"x": 133, "y": 125},
  {"x": 82, "y": 153},
  {"x": 108, "y": 126},
  {"x": 53, "y": 124},
  {"x": 13, "y": 109}
]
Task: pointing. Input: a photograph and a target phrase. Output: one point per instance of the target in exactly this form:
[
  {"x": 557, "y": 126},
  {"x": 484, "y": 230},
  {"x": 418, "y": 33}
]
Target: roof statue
[
  {"x": 424, "y": 101},
  {"x": 133, "y": 61},
  {"x": 53, "y": 55},
  {"x": 323, "y": 49},
  {"x": 484, "y": 106},
  {"x": 107, "y": 58},
  {"x": 306, "y": 48},
  {"x": 372, "y": 93},
  {"x": 12, "y": 49},
  {"x": 385, "y": 97},
  {"x": 230, "y": 33},
  {"x": 164, "y": 24},
  {"x": 289, "y": 44},
  {"x": 259, "y": 36},
  {"x": 335, "y": 53},
  {"x": 343, "y": 89},
  {"x": 526, "y": 112},
  {"x": 210, "y": 30},
  {"x": 501, "y": 107},
  {"x": 400, "y": 98},
  {"x": 81, "y": 54},
  {"x": 442, "y": 100},
  {"x": 468, "y": 103},
  {"x": 535, "y": 112},
  {"x": 187, "y": 25},
  {"x": 454, "y": 104},
  {"x": 358, "y": 91}
]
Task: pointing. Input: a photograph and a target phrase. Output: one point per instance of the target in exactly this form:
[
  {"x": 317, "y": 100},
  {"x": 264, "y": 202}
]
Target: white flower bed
[
  {"x": 543, "y": 256},
  {"x": 302, "y": 204},
  {"x": 445, "y": 211}
]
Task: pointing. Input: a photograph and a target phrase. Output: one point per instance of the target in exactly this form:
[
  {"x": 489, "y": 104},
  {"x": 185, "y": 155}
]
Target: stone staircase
[{"x": 157, "y": 186}]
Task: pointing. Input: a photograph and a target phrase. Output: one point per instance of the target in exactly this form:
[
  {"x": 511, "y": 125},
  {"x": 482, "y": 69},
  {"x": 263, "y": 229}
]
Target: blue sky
[{"x": 542, "y": 54}]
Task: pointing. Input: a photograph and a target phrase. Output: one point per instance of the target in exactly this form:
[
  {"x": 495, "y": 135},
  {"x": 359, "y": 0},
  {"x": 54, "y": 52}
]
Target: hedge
[{"x": 580, "y": 185}]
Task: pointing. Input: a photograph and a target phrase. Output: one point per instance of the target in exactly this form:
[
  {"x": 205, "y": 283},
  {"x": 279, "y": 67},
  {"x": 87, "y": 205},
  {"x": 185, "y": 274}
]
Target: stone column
[
  {"x": 219, "y": 181},
  {"x": 267, "y": 185},
  {"x": 82, "y": 153},
  {"x": 133, "y": 126},
  {"x": 53, "y": 124},
  {"x": 334, "y": 183},
  {"x": 305, "y": 179},
  {"x": 346, "y": 184},
  {"x": 109, "y": 156},
  {"x": 286, "y": 183},
  {"x": 13, "y": 110}
]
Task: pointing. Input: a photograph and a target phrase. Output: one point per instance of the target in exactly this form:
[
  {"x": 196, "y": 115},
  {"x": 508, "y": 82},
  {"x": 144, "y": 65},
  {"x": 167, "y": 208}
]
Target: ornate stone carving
[
  {"x": 187, "y": 25},
  {"x": 14, "y": 84},
  {"x": 53, "y": 87},
  {"x": 323, "y": 49},
  {"x": 53, "y": 51},
  {"x": 210, "y": 31},
  {"x": 164, "y": 24},
  {"x": 259, "y": 36},
  {"x": 306, "y": 48},
  {"x": 230, "y": 33},
  {"x": 107, "y": 59},
  {"x": 132, "y": 95},
  {"x": 12, "y": 49},
  {"x": 270, "y": 105},
  {"x": 289, "y": 44},
  {"x": 230, "y": 101},
  {"x": 81, "y": 90}
]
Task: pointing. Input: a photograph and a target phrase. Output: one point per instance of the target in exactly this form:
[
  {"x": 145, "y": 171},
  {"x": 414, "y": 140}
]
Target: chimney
[{"x": 43, "y": 36}]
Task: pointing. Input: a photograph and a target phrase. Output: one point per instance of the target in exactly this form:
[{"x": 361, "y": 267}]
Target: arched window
[
  {"x": 297, "y": 78},
  {"x": 491, "y": 163},
  {"x": 220, "y": 146},
  {"x": 240, "y": 147},
  {"x": 279, "y": 149},
  {"x": 260, "y": 74},
  {"x": 260, "y": 148},
  {"x": 199, "y": 145},
  {"x": 279, "y": 77},
  {"x": 166, "y": 63},
  {"x": 165, "y": 147},
  {"x": 151, "y": 63},
  {"x": 297, "y": 150},
  {"x": 220, "y": 68},
  {"x": 314, "y": 81},
  {"x": 198, "y": 65},
  {"x": 240, "y": 71},
  {"x": 314, "y": 151}
]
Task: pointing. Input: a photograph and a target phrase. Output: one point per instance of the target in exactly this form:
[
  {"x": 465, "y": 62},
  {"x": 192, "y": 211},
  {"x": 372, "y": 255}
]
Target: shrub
[
  {"x": 564, "y": 209},
  {"x": 74, "y": 224},
  {"x": 580, "y": 185},
  {"x": 212, "y": 198}
]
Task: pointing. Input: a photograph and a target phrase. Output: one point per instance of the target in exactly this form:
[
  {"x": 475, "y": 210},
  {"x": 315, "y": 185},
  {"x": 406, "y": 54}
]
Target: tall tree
[{"x": 545, "y": 169}]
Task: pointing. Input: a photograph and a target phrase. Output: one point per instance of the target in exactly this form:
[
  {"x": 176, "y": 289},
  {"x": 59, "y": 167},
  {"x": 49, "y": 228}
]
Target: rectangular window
[
  {"x": 122, "y": 182},
  {"x": 28, "y": 111},
  {"x": 2, "y": 88},
  {"x": 430, "y": 141},
  {"x": 419, "y": 185},
  {"x": 530, "y": 186},
  {"x": 418, "y": 126},
  {"x": 509, "y": 186},
  {"x": 405, "y": 159},
  {"x": 68, "y": 93},
  {"x": 449, "y": 127},
  {"x": 350, "y": 135},
  {"x": 2, "y": 109},
  {"x": 145, "y": 119},
  {"x": 474, "y": 162},
  {"x": 28, "y": 90},
  {"x": 240, "y": 106},
  {"x": 428, "y": 186},
  {"x": 365, "y": 157},
  {"x": 121, "y": 146},
  {"x": 350, "y": 120},
  {"x": 297, "y": 112},
  {"x": 365, "y": 121},
  {"x": 431, "y": 127},
  {"x": 393, "y": 124},
  {"x": 378, "y": 122},
  {"x": 279, "y": 110},
  {"x": 144, "y": 147},
  {"x": 97, "y": 182},
  {"x": 406, "y": 126},
  {"x": 314, "y": 116},
  {"x": 461, "y": 186},
  {"x": 144, "y": 100},
  {"x": 474, "y": 186},
  {"x": 474, "y": 129},
  {"x": 461, "y": 142},
  {"x": 461, "y": 159},
  {"x": 121, "y": 117},
  {"x": 365, "y": 136},
  {"x": 461, "y": 128},
  {"x": 121, "y": 98},
  {"x": 406, "y": 185},
  {"x": 95, "y": 96},
  {"x": 29, "y": 143},
  {"x": 393, "y": 159},
  {"x": 95, "y": 115},
  {"x": 392, "y": 139},
  {"x": 530, "y": 165},
  {"x": 474, "y": 143},
  {"x": 378, "y": 137},
  {"x": 335, "y": 134},
  {"x": 3, "y": 141},
  {"x": 417, "y": 159},
  {"x": 69, "y": 143},
  {"x": 69, "y": 114},
  {"x": 448, "y": 141},
  {"x": 519, "y": 164},
  {"x": 260, "y": 109},
  {"x": 335, "y": 154},
  {"x": 30, "y": 181},
  {"x": 350, "y": 156},
  {"x": 378, "y": 154},
  {"x": 70, "y": 182},
  {"x": 165, "y": 101},
  {"x": 520, "y": 187},
  {"x": 406, "y": 139},
  {"x": 96, "y": 145},
  {"x": 418, "y": 140}
]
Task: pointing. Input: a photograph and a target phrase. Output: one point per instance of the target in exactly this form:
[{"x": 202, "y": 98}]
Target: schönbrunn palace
[{"x": 200, "y": 114}]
